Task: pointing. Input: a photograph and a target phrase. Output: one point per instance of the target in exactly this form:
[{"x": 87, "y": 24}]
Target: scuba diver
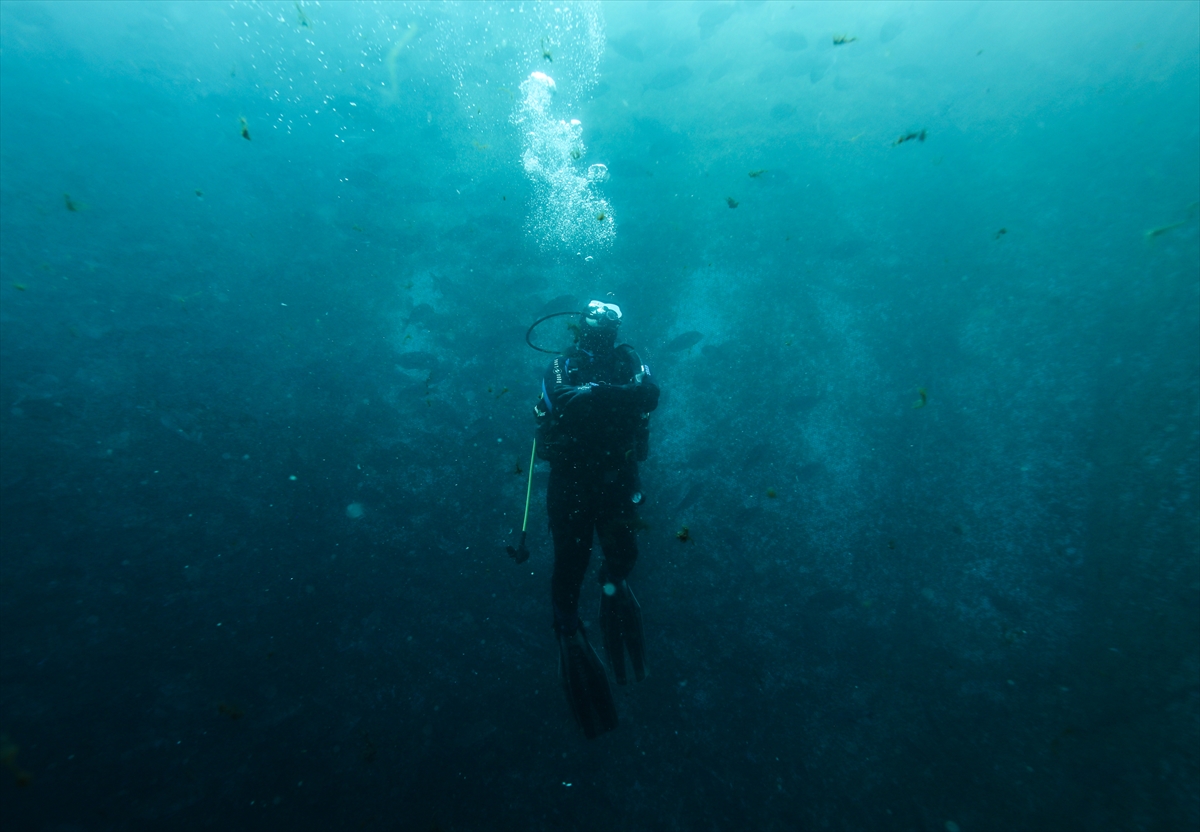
[{"x": 593, "y": 428}]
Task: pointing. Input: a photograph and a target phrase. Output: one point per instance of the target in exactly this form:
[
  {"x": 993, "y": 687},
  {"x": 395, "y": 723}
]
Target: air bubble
[{"x": 569, "y": 213}]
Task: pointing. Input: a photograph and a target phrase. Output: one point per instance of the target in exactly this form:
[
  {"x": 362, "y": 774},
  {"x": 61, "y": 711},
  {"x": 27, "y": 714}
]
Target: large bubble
[{"x": 569, "y": 214}]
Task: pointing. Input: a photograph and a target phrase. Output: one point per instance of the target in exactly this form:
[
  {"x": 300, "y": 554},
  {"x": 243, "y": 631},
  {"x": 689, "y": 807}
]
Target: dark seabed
[{"x": 920, "y": 283}]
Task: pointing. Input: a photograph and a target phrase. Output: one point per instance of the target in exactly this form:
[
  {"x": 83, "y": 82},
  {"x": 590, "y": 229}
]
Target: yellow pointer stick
[{"x": 521, "y": 554}]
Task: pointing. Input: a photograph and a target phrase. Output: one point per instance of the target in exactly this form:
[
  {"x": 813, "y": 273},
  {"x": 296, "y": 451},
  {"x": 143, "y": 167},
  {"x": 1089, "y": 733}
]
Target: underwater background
[{"x": 920, "y": 283}]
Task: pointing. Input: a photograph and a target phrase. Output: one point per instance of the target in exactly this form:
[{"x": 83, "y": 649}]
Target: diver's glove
[{"x": 574, "y": 394}]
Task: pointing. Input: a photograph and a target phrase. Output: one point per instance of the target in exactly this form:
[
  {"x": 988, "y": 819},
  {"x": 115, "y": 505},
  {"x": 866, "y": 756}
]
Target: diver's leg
[
  {"x": 570, "y": 504},
  {"x": 620, "y": 613},
  {"x": 571, "y": 526}
]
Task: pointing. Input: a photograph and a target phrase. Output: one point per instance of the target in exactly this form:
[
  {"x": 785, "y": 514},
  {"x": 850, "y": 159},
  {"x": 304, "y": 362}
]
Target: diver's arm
[
  {"x": 554, "y": 386},
  {"x": 641, "y": 394}
]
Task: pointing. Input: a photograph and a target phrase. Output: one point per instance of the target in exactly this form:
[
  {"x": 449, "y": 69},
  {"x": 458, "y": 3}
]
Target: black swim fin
[
  {"x": 586, "y": 684},
  {"x": 621, "y": 624}
]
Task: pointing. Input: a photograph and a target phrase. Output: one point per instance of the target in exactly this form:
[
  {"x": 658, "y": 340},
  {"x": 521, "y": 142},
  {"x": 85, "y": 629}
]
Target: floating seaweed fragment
[
  {"x": 1014, "y": 635},
  {"x": 908, "y": 137},
  {"x": 1153, "y": 232},
  {"x": 602, "y": 216},
  {"x": 921, "y": 401},
  {"x": 754, "y": 174},
  {"x": 71, "y": 205},
  {"x": 771, "y": 493},
  {"x": 683, "y": 535},
  {"x": 1163, "y": 229},
  {"x": 1001, "y": 233},
  {"x": 839, "y": 40},
  {"x": 199, "y": 193},
  {"x": 245, "y": 128},
  {"x": 20, "y": 287},
  {"x": 8, "y": 758},
  {"x": 391, "y": 62},
  {"x": 731, "y": 202},
  {"x": 303, "y": 21}
]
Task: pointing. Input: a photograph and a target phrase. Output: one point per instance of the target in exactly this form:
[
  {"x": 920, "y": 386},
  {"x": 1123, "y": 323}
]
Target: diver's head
[{"x": 598, "y": 326}]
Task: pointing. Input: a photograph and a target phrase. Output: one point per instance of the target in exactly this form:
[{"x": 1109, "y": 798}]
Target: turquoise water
[{"x": 920, "y": 283}]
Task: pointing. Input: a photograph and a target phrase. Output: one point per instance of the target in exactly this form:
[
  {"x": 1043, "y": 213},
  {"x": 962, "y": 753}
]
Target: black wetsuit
[{"x": 593, "y": 441}]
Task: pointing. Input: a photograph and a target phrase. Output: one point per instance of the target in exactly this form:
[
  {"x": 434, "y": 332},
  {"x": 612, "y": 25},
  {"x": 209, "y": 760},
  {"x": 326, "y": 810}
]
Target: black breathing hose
[{"x": 532, "y": 326}]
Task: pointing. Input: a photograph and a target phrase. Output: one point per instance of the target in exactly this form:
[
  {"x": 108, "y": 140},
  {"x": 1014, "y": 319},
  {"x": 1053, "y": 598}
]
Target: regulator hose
[{"x": 533, "y": 326}]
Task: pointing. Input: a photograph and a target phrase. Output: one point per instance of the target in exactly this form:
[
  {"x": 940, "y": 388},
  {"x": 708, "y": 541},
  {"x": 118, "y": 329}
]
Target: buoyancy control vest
[{"x": 609, "y": 433}]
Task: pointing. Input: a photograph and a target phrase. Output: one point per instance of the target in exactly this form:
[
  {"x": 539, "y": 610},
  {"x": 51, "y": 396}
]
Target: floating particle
[{"x": 908, "y": 137}]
